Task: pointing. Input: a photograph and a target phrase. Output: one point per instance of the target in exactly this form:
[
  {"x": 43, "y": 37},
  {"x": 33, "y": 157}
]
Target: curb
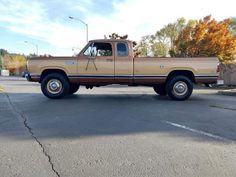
[
  {"x": 228, "y": 92},
  {"x": 1, "y": 89}
]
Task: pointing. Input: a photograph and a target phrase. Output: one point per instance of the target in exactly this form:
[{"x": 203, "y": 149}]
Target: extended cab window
[
  {"x": 99, "y": 49},
  {"x": 122, "y": 49}
]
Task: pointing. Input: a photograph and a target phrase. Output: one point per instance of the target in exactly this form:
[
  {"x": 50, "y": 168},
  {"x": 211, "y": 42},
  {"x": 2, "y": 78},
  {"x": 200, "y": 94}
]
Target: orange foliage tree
[
  {"x": 206, "y": 38},
  {"x": 15, "y": 63}
]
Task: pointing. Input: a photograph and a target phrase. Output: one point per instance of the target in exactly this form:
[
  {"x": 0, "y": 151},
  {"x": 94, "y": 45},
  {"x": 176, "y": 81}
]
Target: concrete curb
[
  {"x": 1, "y": 89},
  {"x": 231, "y": 92}
]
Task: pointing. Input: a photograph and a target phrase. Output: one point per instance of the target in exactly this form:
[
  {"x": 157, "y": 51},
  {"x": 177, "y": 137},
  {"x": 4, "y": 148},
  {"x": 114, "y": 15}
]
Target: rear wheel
[
  {"x": 179, "y": 88},
  {"x": 55, "y": 85},
  {"x": 73, "y": 88},
  {"x": 160, "y": 90}
]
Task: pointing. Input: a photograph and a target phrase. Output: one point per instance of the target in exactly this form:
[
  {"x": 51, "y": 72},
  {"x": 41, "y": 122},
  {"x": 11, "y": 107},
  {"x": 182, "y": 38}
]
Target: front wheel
[
  {"x": 55, "y": 85},
  {"x": 179, "y": 88}
]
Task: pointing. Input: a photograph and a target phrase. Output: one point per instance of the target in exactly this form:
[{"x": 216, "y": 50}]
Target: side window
[
  {"x": 103, "y": 49},
  {"x": 98, "y": 49},
  {"x": 122, "y": 49}
]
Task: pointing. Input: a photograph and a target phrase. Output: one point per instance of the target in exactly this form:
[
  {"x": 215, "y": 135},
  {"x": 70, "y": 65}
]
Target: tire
[
  {"x": 55, "y": 85},
  {"x": 179, "y": 88},
  {"x": 73, "y": 88},
  {"x": 160, "y": 90}
]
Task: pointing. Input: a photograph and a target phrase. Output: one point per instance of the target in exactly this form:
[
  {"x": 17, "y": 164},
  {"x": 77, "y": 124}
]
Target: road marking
[{"x": 196, "y": 131}]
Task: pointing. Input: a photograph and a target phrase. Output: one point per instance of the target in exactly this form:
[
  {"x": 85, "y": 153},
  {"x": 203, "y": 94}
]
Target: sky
[{"x": 45, "y": 23}]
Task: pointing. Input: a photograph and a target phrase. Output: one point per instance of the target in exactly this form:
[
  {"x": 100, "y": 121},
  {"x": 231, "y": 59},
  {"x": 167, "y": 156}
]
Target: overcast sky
[{"x": 46, "y": 22}]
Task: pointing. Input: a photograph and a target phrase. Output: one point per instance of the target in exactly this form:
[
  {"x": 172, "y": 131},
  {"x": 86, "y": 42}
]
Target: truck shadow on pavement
[{"x": 85, "y": 115}]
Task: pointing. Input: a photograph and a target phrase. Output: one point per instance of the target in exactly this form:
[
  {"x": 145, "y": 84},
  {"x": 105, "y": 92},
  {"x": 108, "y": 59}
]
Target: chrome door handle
[{"x": 110, "y": 60}]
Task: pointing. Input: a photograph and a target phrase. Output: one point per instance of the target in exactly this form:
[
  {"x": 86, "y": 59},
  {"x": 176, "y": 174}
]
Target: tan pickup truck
[{"x": 104, "y": 62}]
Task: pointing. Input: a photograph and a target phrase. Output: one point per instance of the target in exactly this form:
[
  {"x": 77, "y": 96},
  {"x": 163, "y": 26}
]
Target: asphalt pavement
[{"x": 115, "y": 131}]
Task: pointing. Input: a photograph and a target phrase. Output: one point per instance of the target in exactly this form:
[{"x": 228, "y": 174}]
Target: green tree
[
  {"x": 32, "y": 55},
  {"x": 143, "y": 47},
  {"x": 3, "y": 52},
  {"x": 232, "y": 26},
  {"x": 1, "y": 64},
  {"x": 159, "y": 49},
  {"x": 169, "y": 33},
  {"x": 116, "y": 36},
  {"x": 125, "y": 37},
  {"x": 160, "y": 44}
]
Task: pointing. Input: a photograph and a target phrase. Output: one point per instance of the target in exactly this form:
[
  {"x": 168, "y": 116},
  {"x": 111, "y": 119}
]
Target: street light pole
[
  {"x": 35, "y": 45},
  {"x": 87, "y": 33},
  {"x": 73, "y": 18}
]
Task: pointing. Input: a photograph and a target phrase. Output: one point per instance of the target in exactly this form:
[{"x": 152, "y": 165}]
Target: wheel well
[
  {"x": 186, "y": 73},
  {"x": 48, "y": 71}
]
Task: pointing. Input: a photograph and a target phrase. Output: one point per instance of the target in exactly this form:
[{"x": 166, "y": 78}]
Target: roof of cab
[{"x": 110, "y": 40}]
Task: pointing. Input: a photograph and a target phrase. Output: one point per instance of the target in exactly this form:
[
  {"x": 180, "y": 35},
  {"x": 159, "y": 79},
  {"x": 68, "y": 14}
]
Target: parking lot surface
[{"x": 115, "y": 131}]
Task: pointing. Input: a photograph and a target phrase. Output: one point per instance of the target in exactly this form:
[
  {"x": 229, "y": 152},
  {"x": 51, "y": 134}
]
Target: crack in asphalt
[
  {"x": 26, "y": 125},
  {"x": 222, "y": 107}
]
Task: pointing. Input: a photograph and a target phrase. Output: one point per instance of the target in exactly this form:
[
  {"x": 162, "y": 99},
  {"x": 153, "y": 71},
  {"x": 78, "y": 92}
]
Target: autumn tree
[
  {"x": 207, "y": 38},
  {"x": 14, "y": 62}
]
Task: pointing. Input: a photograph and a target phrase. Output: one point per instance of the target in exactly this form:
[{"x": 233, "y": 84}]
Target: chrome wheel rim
[
  {"x": 54, "y": 86},
  {"x": 180, "y": 88}
]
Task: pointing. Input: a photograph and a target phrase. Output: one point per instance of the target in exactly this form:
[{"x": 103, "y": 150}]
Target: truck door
[
  {"x": 96, "y": 63},
  {"x": 123, "y": 63}
]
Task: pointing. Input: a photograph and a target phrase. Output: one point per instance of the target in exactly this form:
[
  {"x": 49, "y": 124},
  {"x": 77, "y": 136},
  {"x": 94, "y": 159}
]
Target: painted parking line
[{"x": 196, "y": 131}]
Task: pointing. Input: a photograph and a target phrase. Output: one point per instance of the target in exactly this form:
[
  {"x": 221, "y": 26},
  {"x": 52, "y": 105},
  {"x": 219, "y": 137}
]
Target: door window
[{"x": 99, "y": 49}]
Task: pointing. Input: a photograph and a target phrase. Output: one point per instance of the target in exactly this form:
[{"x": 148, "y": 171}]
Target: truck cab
[{"x": 106, "y": 61}]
